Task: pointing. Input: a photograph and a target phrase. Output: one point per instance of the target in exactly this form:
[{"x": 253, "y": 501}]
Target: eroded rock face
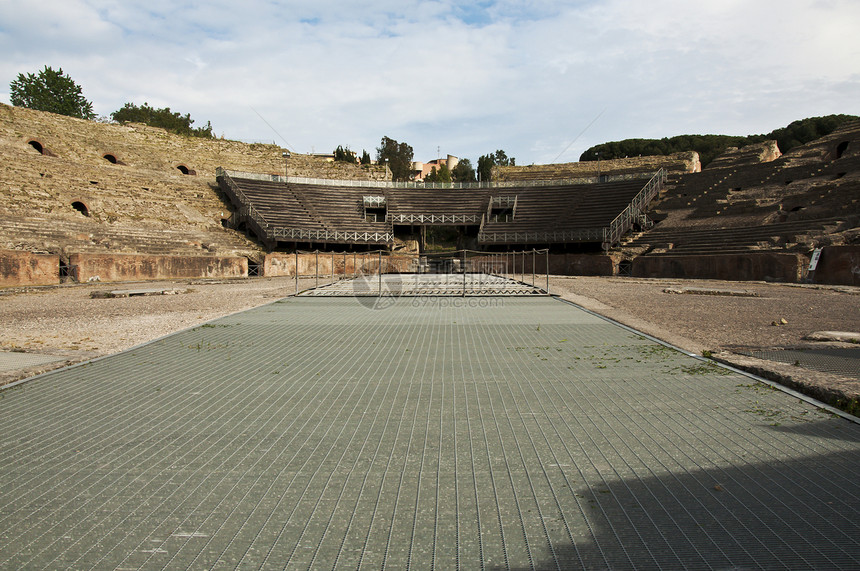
[{"x": 758, "y": 153}]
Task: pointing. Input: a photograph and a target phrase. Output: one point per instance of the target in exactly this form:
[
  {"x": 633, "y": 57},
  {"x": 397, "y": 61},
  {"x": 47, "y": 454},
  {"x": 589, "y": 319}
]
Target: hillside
[{"x": 711, "y": 146}]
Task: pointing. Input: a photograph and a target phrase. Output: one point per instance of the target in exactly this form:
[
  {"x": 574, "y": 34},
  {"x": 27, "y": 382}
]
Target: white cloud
[{"x": 468, "y": 77}]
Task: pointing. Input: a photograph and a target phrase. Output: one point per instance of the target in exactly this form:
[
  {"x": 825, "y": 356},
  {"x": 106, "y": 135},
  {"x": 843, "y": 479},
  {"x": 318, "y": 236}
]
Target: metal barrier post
[
  {"x": 332, "y": 267},
  {"x": 464, "y": 273},
  {"x": 379, "y": 270},
  {"x": 297, "y": 272},
  {"x": 533, "y": 267},
  {"x": 547, "y": 271}
]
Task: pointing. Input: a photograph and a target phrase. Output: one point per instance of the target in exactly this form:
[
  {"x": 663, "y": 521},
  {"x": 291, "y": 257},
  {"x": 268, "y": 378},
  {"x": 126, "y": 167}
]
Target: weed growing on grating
[
  {"x": 209, "y": 346},
  {"x": 757, "y": 387},
  {"x": 211, "y": 326},
  {"x": 703, "y": 369}
]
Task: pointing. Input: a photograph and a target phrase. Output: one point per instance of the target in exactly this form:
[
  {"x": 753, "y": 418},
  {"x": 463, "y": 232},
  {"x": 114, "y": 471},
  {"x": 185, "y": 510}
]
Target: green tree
[
  {"x": 163, "y": 118},
  {"x": 365, "y": 157},
  {"x": 463, "y": 172},
  {"x": 486, "y": 163},
  {"x": 442, "y": 175},
  {"x": 399, "y": 157},
  {"x": 344, "y": 155},
  {"x": 51, "y": 91},
  {"x": 710, "y": 147}
]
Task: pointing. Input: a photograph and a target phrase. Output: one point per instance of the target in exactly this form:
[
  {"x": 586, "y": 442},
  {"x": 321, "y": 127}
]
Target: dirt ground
[{"x": 695, "y": 315}]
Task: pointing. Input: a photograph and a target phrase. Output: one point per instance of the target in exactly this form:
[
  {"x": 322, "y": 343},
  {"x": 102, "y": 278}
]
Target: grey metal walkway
[
  {"x": 426, "y": 285},
  {"x": 515, "y": 432}
]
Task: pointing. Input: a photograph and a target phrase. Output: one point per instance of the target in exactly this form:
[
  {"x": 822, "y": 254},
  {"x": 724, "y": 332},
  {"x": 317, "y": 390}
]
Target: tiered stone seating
[
  {"x": 571, "y": 213},
  {"x": 736, "y": 239},
  {"x": 56, "y": 206},
  {"x": 42, "y": 234},
  {"x": 278, "y": 204},
  {"x": 465, "y": 205},
  {"x": 340, "y": 208},
  {"x": 789, "y": 204}
]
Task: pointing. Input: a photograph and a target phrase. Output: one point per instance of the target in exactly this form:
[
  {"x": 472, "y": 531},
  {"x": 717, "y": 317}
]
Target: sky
[{"x": 542, "y": 80}]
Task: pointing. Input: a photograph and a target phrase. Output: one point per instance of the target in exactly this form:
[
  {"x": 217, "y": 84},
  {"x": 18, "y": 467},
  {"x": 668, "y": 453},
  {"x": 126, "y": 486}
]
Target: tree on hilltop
[
  {"x": 463, "y": 172},
  {"x": 51, "y": 91},
  {"x": 344, "y": 155},
  {"x": 442, "y": 175},
  {"x": 162, "y": 118},
  {"x": 710, "y": 147},
  {"x": 399, "y": 157},
  {"x": 487, "y": 162}
]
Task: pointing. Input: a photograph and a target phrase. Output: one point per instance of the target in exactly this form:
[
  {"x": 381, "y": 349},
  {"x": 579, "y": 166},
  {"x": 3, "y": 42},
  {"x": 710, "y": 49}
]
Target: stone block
[
  {"x": 754, "y": 266},
  {"x": 27, "y": 269},
  {"x": 838, "y": 265},
  {"x": 132, "y": 267}
]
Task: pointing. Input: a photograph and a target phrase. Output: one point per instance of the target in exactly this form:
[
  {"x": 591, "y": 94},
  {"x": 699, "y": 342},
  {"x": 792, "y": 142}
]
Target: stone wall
[
  {"x": 839, "y": 265},
  {"x": 25, "y": 269},
  {"x": 338, "y": 264},
  {"x": 128, "y": 267},
  {"x": 559, "y": 264},
  {"x": 759, "y": 266},
  {"x": 686, "y": 162}
]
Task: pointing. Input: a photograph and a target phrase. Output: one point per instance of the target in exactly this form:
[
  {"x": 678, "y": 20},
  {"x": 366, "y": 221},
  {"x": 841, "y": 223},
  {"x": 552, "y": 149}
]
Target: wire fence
[
  {"x": 463, "y": 272},
  {"x": 474, "y": 268}
]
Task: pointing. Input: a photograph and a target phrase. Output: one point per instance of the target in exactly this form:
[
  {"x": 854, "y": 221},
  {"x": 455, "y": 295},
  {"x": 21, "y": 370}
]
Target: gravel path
[{"x": 67, "y": 321}]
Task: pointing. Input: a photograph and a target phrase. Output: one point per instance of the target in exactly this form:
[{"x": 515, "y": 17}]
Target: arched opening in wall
[
  {"x": 184, "y": 169},
  {"x": 81, "y": 207},
  {"x": 111, "y": 159},
  {"x": 37, "y": 145},
  {"x": 841, "y": 148}
]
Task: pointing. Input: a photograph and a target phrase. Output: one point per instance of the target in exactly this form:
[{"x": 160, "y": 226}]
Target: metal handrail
[
  {"x": 246, "y": 209},
  {"x": 616, "y": 229}
]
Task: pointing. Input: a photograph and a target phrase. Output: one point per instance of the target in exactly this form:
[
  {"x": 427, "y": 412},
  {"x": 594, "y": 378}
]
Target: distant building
[{"x": 421, "y": 170}]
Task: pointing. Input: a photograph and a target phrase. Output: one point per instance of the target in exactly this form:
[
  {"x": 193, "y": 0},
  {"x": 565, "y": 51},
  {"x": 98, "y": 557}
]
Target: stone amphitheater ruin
[
  {"x": 243, "y": 426},
  {"x": 92, "y": 201}
]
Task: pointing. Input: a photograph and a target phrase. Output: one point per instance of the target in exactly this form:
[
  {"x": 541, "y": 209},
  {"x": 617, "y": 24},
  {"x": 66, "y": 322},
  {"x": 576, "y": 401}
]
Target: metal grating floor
[
  {"x": 13, "y": 360},
  {"x": 426, "y": 285},
  {"x": 841, "y": 361},
  {"x": 475, "y": 433}
]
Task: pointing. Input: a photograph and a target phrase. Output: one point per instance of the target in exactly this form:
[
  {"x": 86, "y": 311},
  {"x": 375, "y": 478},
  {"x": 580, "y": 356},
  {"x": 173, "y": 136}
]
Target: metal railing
[
  {"x": 435, "y": 185},
  {"x": 246, "y": 211},
  {"x": 582, "y": 235},
  {"x": 317, "y": 235},
  {"x": 624, "y": 221},
  {"x": 434, "y": 218}
]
